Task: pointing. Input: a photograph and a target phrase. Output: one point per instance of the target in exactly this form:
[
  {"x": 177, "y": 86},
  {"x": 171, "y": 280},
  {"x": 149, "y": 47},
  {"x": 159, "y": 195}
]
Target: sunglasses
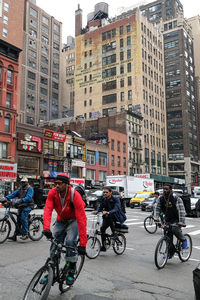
[{"x": 58, "y": 183}]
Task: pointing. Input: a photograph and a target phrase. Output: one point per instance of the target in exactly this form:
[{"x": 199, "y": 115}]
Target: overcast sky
[{"x": 64, "y": 10}]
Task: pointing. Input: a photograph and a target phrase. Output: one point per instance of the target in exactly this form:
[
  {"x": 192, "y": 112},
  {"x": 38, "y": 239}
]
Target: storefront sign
[
  {"x": 28, "y": 142},
  {"x": 8, "y": 172},
  {"x": 142, "y": 175},
  {"x": 78, "y": 163},
  {"x": 56, "y": 136},
  {"x": 79, "y": 141}
]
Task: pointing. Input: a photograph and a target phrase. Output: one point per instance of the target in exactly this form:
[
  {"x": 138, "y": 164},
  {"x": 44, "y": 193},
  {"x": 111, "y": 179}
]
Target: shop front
[
  {"x": 29, "y": 156},
  {"x": 8, "y": 175}
]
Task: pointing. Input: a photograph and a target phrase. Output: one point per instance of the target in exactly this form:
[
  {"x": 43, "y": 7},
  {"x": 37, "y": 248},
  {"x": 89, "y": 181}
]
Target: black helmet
[{"x": 79, "y": 188}]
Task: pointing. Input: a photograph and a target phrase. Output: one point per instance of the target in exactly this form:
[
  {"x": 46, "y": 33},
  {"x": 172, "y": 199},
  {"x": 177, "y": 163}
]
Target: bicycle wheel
[
  {"x": 184, "y": 254},
  {"x": 119, "y": 244},
  {"x": 5, "y": 228},
  {"x": 35, "y": 229},
  {"x": 40, "y": 285},
  {"x": 150, "y": 225},
  {"x": 161, "y": 253},
  {"x": 93, "y": 247},
  {"x": 63, "y": 286}
]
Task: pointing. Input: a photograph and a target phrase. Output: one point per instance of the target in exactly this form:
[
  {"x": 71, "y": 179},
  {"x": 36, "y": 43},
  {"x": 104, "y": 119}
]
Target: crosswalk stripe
[
  {"x": 189, "y": 226},
  {"x": 194, "y": 232},
  {"x": 134, "y": 223}
]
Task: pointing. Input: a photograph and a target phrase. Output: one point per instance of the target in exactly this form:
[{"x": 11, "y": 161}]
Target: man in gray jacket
[{"x": 172, "y": 207}]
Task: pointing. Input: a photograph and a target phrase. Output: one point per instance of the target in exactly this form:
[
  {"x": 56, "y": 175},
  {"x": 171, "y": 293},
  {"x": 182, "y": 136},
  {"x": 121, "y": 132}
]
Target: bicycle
[
  {"x": 165, "y": 244},
  {"x": 150, "y": 225},
  {"x": 53, "y": 271},
  {"x": 117, "y": 241},
  {"x": 35, "y": 223}
]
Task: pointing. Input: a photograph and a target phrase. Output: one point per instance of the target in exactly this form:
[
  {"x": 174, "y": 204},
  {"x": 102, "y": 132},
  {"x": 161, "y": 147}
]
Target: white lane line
[
  {"x": 188, "y": 226},
  {"x": 194, "y": 232},
  {"x": 196, "y": 247},
  {"x": 194, "y": 259},
  {"x": 132, "y": 220},
  {"x": 135, "y": 223},
  {"x": 130, "y": 248}
]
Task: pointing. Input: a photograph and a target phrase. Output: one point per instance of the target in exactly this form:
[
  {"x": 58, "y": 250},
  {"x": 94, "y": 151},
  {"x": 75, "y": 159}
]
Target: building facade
[
  {"x": 11, "y": 40},
  {"x": 120, "y": 65},
  {"x": 40, "y": 93},
  {"x": 181, "y": 101}
]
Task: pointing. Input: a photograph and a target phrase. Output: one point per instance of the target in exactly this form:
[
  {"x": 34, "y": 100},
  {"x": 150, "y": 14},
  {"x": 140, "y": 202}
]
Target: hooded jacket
[{"x": 66, "y": 212}]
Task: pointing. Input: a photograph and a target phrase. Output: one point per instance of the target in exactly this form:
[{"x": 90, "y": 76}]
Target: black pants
[
  {"x": 175, "y": 230},
  {"x": 108, "y": 221}
]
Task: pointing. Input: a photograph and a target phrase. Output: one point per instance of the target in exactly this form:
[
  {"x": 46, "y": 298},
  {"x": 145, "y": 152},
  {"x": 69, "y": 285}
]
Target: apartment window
[
  {"x": 43, "y": 80},
  {"x": 8, "y": 100},
  {"x": 45, "y": 40},
  {"x": 45, "y": 20},
  {"x": 91, "y": 174},
  {"x": 129, "y": 80},
  {"x": 5, "y": 20},
  {"x": 121, "y": 55},
  {"x": 112, "y": 144},
  {"x": 56, "y": 27},
  {"x": 108, "y": 60},
  {"x": 33, "y": 23},
  {"x": 102, "y": 176},
  {"x": 129, "y": 67},
  {"x": 9, "y": 77},
  {"x": 118, "y": 146},
  {"x": 102, "y": 159},
  {"x": 128, "y": 28},
  {"x": 31, "y": 75},
  {"x": 112, "y": 160},
  {"x": 44, "y": 70},
  {"x": 56, "y": 75},
  {"x": 45, "y": 29},
  {"x": 43, "y": 91},
  {"x": 32, "y": 43},
  {"x": 128, "y": 40},
  {"x": 85, "y": 103},
  {"x": 33, "y": 33},
  {"x": 7, "y": 125},
  {"x": 124, "y": 147},
  {"x": 45, "y": 50},
  {"x": 5, "y": 32},
  {"x": 31, "y": 64},
  {"x": 109, "y": 99},
  {"x": 56, "y": 46},
  {"x": 32, "y": 53},
  {"x": 91, "y": 157},
  {"x": 56, "y": 37},
  {"x": 122, "y": 69},
  {"x": 55, "y": 85},
  {"x": 121, "y": 43},
  {"x": 33, "y": 12},
  {"x": 109, "y": 72},
  {"x": 30, "y": 120},
  {"x": 118, "y": 161},
  {"x": 122, "y": 82},
  {"x": 3, "y": 150},
  {"x": 122, "y": 96},
  {"x": 121, "y": 29},
  {"x": 44, "y": 59},
  {"x": 130, "y": 95},
  {"x": 128, "y": 53},
  {"x": 124, "y": 162},
  {"x": 109, "y": 85},
  {"x": 6, "y": 6},
  {"x": 54, "y": 95}
]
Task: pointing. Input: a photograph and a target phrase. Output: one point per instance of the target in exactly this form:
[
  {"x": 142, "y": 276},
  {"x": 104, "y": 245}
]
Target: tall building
[
  {"x": 181, "y": 102},
  {"x": 40, "y": 92},
  {"x": 120, "y": 66},
  {"x": 11, "y": 40},
  {"x": 67, "y": 75}
]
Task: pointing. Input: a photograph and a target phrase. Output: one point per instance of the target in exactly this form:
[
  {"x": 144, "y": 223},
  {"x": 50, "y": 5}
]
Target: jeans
[
  {"x": 22, "y": 221},
  {"x": 108, "y": 221},
  {"x": 175, "y": 230},
  {"x": 66, "y": 232}
]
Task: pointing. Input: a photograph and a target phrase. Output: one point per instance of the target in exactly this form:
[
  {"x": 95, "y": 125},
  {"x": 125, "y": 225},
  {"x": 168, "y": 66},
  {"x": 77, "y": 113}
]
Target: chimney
[{"x": 78, "y": 21}]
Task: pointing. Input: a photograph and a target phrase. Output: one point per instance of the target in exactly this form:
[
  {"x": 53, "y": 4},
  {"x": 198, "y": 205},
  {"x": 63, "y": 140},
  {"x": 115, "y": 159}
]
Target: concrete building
[
  {"x": 181, "y": 101},
  {"x": 40, "y": 92},
  {"x": 119, "y": 65},
  {"x": 67, "y": 76},
  {"x": 11, "y": 40}
]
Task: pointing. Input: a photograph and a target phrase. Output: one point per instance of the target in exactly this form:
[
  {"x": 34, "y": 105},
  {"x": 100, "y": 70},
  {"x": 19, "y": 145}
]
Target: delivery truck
[{"x": 127, "y": 186}]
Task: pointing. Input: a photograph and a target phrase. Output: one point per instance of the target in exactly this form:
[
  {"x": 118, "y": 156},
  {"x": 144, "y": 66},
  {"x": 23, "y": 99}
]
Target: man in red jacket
[{"x": 71, "y": 221}]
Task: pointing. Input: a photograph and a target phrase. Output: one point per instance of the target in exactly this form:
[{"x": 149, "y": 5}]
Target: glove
[
  {"x": 81, "y": 250},
  {"x": 48, "y": 234}
]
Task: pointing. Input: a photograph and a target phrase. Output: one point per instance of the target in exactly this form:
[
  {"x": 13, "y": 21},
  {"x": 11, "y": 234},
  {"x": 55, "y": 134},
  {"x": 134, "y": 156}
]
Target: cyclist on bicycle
[
  {"x": 25, "y": 205},
  {"x": 172, "y": 207},
  {"x": 111, "y": 210},
  {"x": 70, "y": 222}
]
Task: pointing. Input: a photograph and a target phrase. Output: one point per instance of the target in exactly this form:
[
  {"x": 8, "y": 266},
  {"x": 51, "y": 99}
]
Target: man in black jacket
[{"x": 111, "y": 211}]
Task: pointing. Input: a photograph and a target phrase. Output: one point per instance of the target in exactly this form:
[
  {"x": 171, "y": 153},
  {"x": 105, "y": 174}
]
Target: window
[
  {"x": 128, "y": 28},
  {"x": 33, "y": 22},
  {"x": 43, "y": 91},
  {"x": 43, "y": 70},
  {"x": 45, "y": 29},
  {"x": 122, "y": 96},
  {"x": 43, "y": 80},
  {"x": 56, "y": 27},
  {"x": 128, "y": 53},
  {"x": 124, "y": 162},
  {"x": 45, "y": 40},
  {"x": 121, "y": 55},
  {"x": 33, "y": 12},
  {"x": 121, "y": 43},
  {"x": 129, "y": 80},
  {"x": 129, "y": 67},
  {"x": 128, "y": 40},
  {"x": 31, "y": 64},
  {"x": 121, "y": 29},
  {"x": 112, "y": 160},
  {"x": 102, "y": 176},
  {"x": 3, "y": 150},
  {"x": 118, "y": 146},
  {"x": 91, "y": 174},
  {"x": 91, "y": 157},
  {"x": 130, "y": 95},
  {"x": 31, "y": 75},
  {"x": 102, "y": 159},
  {"x": 56, "y": 46},
  {"x": 32, "y": 43},
  {"x": 112, "y": 144},
  {"x": 6, "y": 6},
  {"x": 124, "y": 147},
  {"x": 33, "y": 33},
  {"x": 109, "y": 99},
  {"x": 118, "y": 161},
  {"x": 108, "y": 47},
  {"x": 32, "y": 53},
  {"x": 44, "y": 59},
  {"x": 8, "y": 100},
  {"x": 45, "y": 50},
  {"x": 109, "y": 72},
  {"x": 5, "y": 32},
  {"x": 122, "y": 82},
  {"x": 45, "y": 20},
  {"x": 31, "y": 86},
  {"x": 108, "y": 60},
  {"x": 5, "y": 20},
  {"x": 7, "y": 124},
  {"x": 9, "y": 77},
  {"x": 109, "y": 85}
]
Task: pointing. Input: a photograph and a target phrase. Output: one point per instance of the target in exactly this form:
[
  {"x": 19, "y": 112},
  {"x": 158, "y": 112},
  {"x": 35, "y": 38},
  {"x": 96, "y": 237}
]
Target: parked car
[
  {"x": 146, "y": 205},
  {"x": 93, "y": 197},
  {"x": 139, "y": 197}
]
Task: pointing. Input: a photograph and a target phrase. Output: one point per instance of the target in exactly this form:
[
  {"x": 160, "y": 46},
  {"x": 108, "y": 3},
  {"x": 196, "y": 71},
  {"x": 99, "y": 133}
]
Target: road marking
[
  {"x": 189, "y": 226},
  {"x": 194, "y": 232},
  {"x": 196, "y": 247},
  {"x": 129, "y": 248},
  {"x": 131, "y": 220},
  {"x": 135, "y": 223},
  {"x": 194, "y": 259}
]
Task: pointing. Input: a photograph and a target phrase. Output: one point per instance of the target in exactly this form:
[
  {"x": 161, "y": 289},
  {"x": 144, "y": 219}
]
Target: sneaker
[
  {"x": 13, "y": 238},
  {"x": 103, "y": 249},
  {"x": 184, "y": 244},
  {"x": 24, "y": 237},
  {"x": 44, "y": 279},
  {"x": 70, "y": 276}
]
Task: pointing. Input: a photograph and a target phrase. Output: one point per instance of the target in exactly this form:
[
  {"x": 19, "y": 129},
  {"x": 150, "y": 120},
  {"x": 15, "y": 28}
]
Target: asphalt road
[{"x": 132, "y": 275}]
